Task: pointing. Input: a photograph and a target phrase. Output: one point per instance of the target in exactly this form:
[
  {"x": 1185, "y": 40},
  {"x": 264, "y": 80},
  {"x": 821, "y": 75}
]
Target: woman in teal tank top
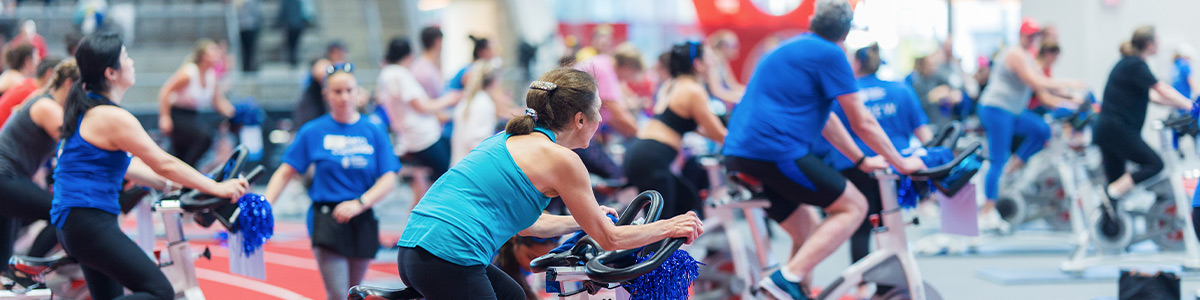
[{"x": 500, "y": 188}]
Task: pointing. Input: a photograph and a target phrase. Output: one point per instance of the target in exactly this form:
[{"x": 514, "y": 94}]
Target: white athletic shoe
[{"x": 992, "y": 222}]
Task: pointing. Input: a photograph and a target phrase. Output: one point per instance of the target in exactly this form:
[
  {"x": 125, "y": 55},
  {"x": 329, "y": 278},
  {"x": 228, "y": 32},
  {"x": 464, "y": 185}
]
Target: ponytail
[
  {"x": 1127, "y": 49},
  {"x": 479, "y": 45},
  {"x": 1142, "y": 38},
  {"x": 78, "y": 103}
]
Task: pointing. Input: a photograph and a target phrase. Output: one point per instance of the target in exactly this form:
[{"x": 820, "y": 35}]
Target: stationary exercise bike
[
  {"x": 1155, "y": 210},
  {"x": 598, "y": 274},
  {"x": 1045, "y": 186},
  {"x": 733, "y": 261},
  {"x": 177, "y": 262}
]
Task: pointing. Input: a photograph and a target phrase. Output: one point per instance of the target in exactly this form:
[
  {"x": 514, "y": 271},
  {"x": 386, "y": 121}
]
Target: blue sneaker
[{"x": 781, "y": 288}]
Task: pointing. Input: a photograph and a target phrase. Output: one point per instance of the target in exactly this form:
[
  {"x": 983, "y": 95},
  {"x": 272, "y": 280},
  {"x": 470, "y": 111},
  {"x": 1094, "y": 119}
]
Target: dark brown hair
[
  {"x": 506, "y": 261},
  {"x": 868, "y": 59},
  {"x": 555, "y": 108},
  {"x": 16, "y": 56}
]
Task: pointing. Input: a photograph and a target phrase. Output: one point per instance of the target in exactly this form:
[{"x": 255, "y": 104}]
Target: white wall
[{"x": 1090, "y": 32}]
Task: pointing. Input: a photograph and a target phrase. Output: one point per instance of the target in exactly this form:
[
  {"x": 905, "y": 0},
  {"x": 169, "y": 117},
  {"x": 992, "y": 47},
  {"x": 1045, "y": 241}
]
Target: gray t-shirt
[{"x": 1005, "y": 90}]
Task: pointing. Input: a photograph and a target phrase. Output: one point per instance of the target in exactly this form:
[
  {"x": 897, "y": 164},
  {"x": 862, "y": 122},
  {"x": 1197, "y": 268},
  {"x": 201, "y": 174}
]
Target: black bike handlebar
[
  {"x": 947, "y": 137},
  {"x": 599, "y": 268},
  {"x": 944, "y": 169},
  {"x": 194, "y": 200},
  {"x": 597, "y": 261},
  {"x": 1182, "y": 123}
]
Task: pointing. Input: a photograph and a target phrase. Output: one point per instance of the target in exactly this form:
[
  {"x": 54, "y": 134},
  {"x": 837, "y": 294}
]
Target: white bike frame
[{"x": 1081, "y": 259}]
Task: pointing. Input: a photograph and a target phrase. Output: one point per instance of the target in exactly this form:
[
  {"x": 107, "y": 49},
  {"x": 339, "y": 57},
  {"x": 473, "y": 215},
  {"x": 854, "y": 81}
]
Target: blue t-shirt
[
  {"x": 476, "y": 206},
  {"x": 456, "y": 83},
  {"x": 788, "y": 99},
  {"x": 1183, "y": 71},
  {"x": 348, "y": 158},
  {"x": 894, "y": 105}
]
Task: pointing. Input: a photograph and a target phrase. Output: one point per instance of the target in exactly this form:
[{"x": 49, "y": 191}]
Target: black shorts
[{"x": 787, "y": 184}]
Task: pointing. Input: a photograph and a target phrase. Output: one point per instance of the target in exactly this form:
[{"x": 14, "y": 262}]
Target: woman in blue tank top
[
  {"x": 99, "y": 142},
  {"x": 500, "y": 188}
]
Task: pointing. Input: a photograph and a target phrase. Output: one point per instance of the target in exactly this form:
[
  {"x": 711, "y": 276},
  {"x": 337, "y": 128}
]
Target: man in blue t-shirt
[{"x": 787, "y": 103}]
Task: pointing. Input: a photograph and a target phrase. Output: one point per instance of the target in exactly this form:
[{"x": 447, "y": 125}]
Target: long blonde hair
[{"x": 481, "y": 74}]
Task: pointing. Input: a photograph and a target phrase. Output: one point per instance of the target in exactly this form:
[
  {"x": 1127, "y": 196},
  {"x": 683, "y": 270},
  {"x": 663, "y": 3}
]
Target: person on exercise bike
[
  {"x": 499, "y": 190},
  {"x": 899, "y": 112},
  {"x": 683, "y": 109},
  {"x": 25, "y": 145},
  {"x": 1126, "y": 96},
  {"x": 354, "y": 168},
  {"x": 99, "y": 143},
  {"x": 185, "y": 98},
  {"x": 787, "y": 103},
  {"x": 1003, "y": 112}
]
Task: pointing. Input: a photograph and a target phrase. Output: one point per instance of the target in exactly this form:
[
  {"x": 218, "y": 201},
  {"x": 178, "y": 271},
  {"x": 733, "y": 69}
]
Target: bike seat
[
  {"x": 360, "y": 292},
  {"x": 34, "y": 266},
  {"x": 749, "y": 182}
]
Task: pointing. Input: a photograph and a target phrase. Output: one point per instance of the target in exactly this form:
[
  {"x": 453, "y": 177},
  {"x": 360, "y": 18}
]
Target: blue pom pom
[
  {"x": 907, "y": 193},
  {"x": 256, "y": 223},
  {"x": 669, "y": 281}
]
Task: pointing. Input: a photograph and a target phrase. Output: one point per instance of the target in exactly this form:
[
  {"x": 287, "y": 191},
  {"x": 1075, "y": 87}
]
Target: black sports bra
[{"x": 675, "y": 122}]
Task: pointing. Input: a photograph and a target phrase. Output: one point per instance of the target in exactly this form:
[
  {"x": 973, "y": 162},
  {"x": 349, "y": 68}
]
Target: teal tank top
[{"x": 476, "y": 206}]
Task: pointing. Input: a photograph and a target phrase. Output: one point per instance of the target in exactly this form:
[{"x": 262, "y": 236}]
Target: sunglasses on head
[{"x": 339, "y": 67}]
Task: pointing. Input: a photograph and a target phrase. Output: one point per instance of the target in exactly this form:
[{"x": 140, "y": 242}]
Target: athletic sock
[{"x": 787, "y": 275}]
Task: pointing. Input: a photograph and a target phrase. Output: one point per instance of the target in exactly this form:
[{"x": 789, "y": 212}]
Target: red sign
[{"x": 758, "y": 32}]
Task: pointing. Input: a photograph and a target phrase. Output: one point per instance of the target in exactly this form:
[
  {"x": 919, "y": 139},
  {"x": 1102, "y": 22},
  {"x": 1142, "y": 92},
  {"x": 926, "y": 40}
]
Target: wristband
[
  {"x": 360, "y": 202},
  {"x": 860, "y": 161}
]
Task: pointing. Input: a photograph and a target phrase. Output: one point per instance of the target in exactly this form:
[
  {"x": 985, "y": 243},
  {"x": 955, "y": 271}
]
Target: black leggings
[
  {"x": 860, "y": 242},
  {"x": 648, "y": 167},
  {"x": 438, "y": 279},
  {"x": 22, "y": 200},
  {"x": 1119, "y": 145},
  {"x": 111, "y": 261},
  {"x": 436, "y": 158},
  {"x": 191, "y": 136},
  {"x": 597, "y": 162}
]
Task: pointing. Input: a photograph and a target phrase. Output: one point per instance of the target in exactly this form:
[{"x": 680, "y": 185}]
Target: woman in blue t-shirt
[
  {"x": 98, "y": 144},
  {"x": 500, "y": 189},
  {"x": 354, "y": 169},
  {"x": 1183, "y": 71},
  {"x": 899, "y": 113}
]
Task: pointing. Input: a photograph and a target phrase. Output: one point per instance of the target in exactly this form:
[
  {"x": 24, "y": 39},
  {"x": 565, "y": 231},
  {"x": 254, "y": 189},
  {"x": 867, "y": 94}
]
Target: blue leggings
[{"x": 1001, "y": 127}]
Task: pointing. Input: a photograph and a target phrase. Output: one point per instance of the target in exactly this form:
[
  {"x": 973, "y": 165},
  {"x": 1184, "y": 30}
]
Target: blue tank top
[
  {"x": 476, "y": 206},
  {"x": 86, "y": 176}
]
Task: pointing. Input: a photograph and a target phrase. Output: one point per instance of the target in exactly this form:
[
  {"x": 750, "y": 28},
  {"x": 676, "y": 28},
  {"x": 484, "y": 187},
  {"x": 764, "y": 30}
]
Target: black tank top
[
  {"x": 675, "y": 122},
  {"x": 23, "y": 144}
]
